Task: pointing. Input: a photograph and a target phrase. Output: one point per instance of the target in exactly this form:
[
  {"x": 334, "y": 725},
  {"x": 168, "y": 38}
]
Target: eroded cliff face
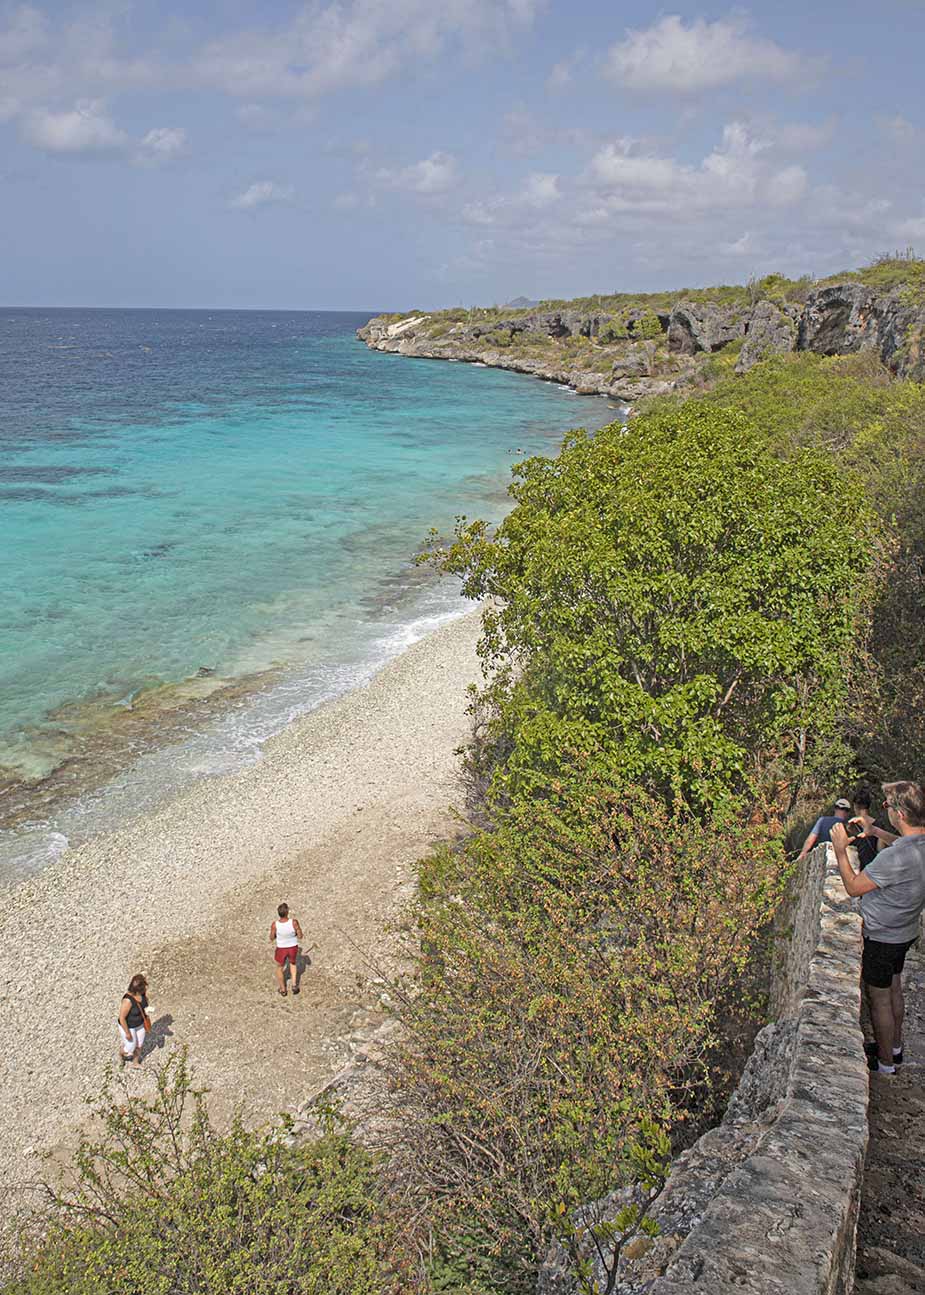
[{"x": 645, "y": 352}]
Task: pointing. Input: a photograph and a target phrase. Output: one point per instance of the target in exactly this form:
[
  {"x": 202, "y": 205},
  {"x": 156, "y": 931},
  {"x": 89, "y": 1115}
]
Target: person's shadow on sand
[{"x": 158, "y": 1035}]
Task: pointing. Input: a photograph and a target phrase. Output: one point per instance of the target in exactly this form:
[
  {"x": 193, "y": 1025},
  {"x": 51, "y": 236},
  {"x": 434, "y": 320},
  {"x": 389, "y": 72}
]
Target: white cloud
[
  {"x": 163, "y": 144},
  {"x": 802, "y": 136},
  {"x": 432, "y": 175},
  {"x": 541, "y": 189},
  {"x": 323, "y": 46},
  {"x": 88, "y": 131},
  {"x": 740, "y": 246},
  {"x": 354, "y": 43},
  {"x": 346, "y": 202},
  {"x": 479, "y": 213},
  {"x": 914, "y": 227},
  {"x": 84, "y": 129},
  {"x": 787, "y": 186},
  {"x": 837, "y": 209},
  {"x": 262, "y": 193},
  {"x": 687, "y": 57},
  {"x": 734, "y": 175}
]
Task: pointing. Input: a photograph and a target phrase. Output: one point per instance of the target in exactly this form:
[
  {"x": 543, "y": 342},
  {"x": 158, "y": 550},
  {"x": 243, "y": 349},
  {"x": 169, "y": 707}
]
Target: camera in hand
[{"x": 854, "y": 829}]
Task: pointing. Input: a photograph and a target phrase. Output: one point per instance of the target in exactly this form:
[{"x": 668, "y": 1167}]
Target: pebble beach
[{"x": 331, "y": 819}]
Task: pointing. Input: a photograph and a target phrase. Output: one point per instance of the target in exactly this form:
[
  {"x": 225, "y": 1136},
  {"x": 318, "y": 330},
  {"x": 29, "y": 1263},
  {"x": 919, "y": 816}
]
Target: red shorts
[{"x": 287, "y": 955}]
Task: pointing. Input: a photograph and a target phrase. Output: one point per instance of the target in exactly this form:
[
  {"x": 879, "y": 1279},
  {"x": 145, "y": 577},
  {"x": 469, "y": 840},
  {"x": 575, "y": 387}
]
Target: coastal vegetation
[
  {"x": 667, "y": 601},
  {"x": 696, "y": 624},
  {"x": 158, "y": 1201}
]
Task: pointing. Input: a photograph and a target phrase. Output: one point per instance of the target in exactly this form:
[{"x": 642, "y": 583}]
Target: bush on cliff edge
[
  {"x": 161, "y": 1203},
  {"x": 671, "y": 600},
  {"x": 577, "y": 963}
]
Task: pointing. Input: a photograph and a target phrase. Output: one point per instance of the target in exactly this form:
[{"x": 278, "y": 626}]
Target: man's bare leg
[
  {"x": 881, "y": 1017},
  {"x": 899, "y": 1011}
]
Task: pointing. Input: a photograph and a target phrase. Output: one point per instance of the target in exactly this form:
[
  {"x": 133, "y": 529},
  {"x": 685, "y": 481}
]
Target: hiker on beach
[
  {"x": 286, "y": 933},
  {"x": 820, "y": 835},
  {"x": 892, "y": 894},
  {"x": 133, "y": 1021}
]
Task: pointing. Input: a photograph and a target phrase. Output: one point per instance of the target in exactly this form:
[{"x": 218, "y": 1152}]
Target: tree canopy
[{"x": 666, "y": 598}]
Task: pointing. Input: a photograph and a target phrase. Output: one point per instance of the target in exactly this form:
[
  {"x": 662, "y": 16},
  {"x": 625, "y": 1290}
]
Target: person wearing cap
[{"x": 821, "y": 833}]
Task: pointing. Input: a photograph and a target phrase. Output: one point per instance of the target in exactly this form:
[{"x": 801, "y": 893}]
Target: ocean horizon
[{"x": 209, "y": 520}]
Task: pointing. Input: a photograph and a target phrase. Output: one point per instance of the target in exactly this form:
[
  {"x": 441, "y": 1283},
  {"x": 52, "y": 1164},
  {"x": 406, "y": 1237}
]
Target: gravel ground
[{"x": 331, "y": 820}]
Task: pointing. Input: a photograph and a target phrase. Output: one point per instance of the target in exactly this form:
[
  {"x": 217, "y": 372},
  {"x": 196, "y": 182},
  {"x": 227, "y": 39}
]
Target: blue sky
[{"x": 366, "y": 154}]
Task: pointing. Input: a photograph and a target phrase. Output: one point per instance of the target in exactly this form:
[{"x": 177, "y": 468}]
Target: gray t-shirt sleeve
[{"x": 879, "y": 870}]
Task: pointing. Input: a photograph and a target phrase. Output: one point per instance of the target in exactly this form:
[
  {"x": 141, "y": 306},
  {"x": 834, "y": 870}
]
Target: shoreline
[
  {"x": 581, "y": 382},
  {"x": 332, "y": 818},
  {"x": 139, "y": 757}
]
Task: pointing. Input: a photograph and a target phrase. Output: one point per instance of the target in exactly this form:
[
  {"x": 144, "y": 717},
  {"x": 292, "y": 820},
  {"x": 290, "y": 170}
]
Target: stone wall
[{"x": 768, "y": 1201}]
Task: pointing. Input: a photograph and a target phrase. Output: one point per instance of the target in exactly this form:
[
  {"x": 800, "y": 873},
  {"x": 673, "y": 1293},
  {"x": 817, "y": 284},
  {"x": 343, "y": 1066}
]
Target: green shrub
[
  {"x": 668, "y": 598},
  {"x": 646, "y": 327},
  {"x": 903, "y": 270},
  {"x": 874, "y": 425},
  {"x": 576, "y": 962},
  {"x": 162, "y": 1204}
]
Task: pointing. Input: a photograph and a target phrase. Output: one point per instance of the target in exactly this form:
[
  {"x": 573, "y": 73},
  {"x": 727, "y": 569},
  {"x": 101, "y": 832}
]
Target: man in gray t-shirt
[
  {"x": 891, "y": 911},
  {"x": 892, "y": 893}
]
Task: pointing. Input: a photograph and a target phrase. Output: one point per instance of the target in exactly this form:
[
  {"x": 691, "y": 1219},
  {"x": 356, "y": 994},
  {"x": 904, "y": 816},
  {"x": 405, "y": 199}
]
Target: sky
[{"x": 398, "y": 154}]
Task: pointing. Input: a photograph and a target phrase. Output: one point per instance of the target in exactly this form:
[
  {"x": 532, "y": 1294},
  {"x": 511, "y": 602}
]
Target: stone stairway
[{"x": 891, "y": 1227}]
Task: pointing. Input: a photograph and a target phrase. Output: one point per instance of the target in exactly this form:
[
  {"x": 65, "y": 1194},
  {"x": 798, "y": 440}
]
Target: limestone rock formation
[
  {"x": 847, "y": 317},
  {"x": 769, "y": 331},
  {"x": 636, "y": 361},
  {"x": 695, "y": 326},
  {"x": 623, "y": 360}
]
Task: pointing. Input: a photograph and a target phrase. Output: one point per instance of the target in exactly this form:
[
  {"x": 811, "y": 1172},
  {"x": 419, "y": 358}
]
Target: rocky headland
[{"x": 631, "y": 347}]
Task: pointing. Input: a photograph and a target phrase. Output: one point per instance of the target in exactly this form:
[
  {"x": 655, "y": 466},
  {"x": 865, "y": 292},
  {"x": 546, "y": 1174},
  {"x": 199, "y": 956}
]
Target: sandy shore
[{"x": 331, "y": 819}]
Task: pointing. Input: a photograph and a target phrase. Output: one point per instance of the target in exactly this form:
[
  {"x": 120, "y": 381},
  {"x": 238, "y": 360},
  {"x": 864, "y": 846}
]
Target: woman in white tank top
[{"x": 285, "y": 934}]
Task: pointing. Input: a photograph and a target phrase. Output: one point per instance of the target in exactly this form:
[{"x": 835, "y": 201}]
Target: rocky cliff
[{"x": 632, "y": 348}]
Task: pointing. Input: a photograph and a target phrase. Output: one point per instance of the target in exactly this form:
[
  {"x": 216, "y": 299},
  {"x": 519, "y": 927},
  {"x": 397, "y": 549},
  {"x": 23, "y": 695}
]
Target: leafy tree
[
  {"x": 873, "y": 425},
  {"x": 668, "y": 599}
]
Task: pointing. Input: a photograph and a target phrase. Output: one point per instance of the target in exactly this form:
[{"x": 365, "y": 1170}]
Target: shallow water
[{"x": 208, "y": 497}]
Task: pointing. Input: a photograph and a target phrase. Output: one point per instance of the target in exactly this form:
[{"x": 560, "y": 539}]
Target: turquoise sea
[{"x": 194, "y": 500}]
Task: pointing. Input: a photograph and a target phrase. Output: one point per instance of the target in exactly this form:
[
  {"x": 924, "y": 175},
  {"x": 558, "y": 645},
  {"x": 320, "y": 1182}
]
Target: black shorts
[{"x": 881, "y": 962}]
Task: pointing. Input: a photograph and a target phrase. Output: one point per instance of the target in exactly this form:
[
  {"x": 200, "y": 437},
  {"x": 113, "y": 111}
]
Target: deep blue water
[{"x": 229, "y": 491}]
